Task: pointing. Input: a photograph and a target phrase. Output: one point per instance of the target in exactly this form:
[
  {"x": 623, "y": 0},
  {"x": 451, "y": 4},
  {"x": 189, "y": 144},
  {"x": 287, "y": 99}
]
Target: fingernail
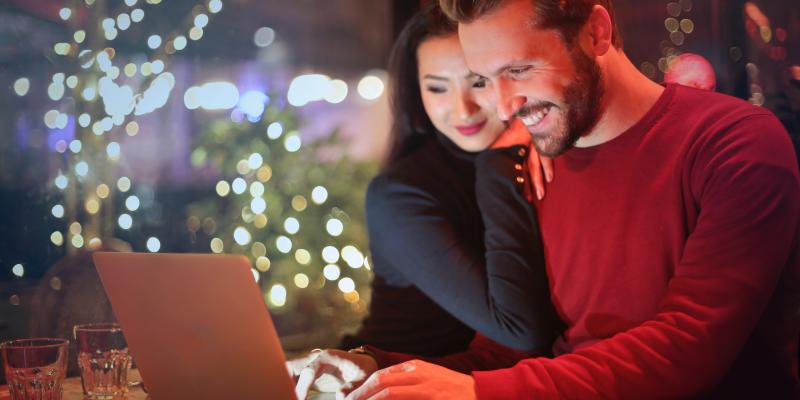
[
  {"x": 539, "y": 193},
  {"x": 548, "y": 176}
]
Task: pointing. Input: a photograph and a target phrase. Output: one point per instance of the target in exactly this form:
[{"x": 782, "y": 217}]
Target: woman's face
[{"x": 456, "y": 103}]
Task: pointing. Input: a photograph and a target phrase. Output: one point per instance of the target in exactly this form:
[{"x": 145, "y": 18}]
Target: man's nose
[{"x": 507, "y": 101}]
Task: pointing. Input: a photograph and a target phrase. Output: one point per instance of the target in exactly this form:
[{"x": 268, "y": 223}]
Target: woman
[{"x": 454, "y": 243}]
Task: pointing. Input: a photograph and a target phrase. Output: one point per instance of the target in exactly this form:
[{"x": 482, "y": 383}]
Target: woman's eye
[{"x": 435, "y": 89}]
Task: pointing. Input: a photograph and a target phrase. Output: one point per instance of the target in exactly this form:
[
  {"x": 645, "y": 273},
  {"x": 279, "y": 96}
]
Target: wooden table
[{"x": 74, "y": 391}]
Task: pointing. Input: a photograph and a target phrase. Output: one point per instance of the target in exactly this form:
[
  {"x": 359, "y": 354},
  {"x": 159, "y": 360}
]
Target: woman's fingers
[{"x": 535, "y": 172}]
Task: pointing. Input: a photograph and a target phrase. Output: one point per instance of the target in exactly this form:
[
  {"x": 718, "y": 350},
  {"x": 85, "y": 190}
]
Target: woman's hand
[
  {"x": 350, "y": 369},
  {"x": 540, "y": 169}
]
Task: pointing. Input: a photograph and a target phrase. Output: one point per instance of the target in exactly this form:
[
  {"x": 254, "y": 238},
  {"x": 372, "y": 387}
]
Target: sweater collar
[{"x": 453, "y": 149}]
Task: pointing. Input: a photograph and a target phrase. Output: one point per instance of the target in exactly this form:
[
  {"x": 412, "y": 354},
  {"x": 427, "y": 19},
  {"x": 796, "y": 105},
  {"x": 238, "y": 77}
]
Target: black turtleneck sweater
[{"x": 455, "y": 249}]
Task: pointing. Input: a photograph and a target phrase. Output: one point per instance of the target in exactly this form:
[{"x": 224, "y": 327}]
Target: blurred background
[{"x": 253, "y": 127}]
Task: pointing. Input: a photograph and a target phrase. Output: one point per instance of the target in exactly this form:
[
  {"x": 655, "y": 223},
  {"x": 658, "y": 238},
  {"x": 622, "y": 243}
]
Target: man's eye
[
  {"x": 518, "y": 70},
  {"x": 480, "y": 83}
]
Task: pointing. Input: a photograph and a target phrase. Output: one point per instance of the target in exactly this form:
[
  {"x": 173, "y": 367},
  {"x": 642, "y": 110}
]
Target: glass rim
[
  {"x": 34, "y": 343},
  {"x": 98, "y": 327}
]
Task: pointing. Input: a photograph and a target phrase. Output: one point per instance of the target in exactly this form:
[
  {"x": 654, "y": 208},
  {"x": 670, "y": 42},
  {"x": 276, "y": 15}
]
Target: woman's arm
[{"x": 503, "y": 293}]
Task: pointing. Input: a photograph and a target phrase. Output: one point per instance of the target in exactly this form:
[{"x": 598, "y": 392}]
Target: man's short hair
[{"x": 565, "y": 16}]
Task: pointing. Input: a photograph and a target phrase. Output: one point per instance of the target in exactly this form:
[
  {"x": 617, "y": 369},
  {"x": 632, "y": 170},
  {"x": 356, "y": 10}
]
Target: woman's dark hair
[{"x": 410, "y": 123}]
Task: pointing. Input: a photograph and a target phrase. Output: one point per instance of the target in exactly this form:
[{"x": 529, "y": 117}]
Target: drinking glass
[
  {"x": 35, "y": 368},
  {"x": 103, "y": 359}
]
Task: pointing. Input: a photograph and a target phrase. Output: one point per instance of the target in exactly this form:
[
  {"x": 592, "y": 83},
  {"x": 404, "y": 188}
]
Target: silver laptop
[{"x": 196, "y": 325}]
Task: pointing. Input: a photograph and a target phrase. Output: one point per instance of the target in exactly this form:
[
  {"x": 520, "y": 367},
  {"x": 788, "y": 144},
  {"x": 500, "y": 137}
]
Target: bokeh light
[
  {"x": 291, "y": 225},
  {"x": 330, "y": 254},
  {"x": 132, "y": 203},
  {"x": 22, "y": 86},
  {"x": 223, "y": 188},
  {"x": 284, "y": 244},
  {"x": 153, "y": 244},
  {"x": 302, "y": 256},
  {"x": 334, "y": 227},
  {"x": 319, "y": 194},
  {"x": 125, "y": 221},
  {"x": 331, "y": 272},
  {"x": 277, "y": 295},
  {"x": 346, "y": 285},
  {"x": 241, "y": 235},
  {"x": 274, "y": 130},
  {"x": 370, "y": 87},
  {"x": 264, "y": 37},
  {"x": 124, "y": 184},
  {"x": 301, "y": 280}
]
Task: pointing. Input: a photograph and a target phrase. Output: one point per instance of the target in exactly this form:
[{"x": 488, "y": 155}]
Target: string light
[
  {"x": 241, "y": 235},
  {"x": 274, "y": 130},
  {"x": 301, "y": 280},
  {"x": 21, "y": 86},
  {"x": 124, "y": 184},
  {"x": 153, "y": 245},
  {"x": 239, "y": 186},
  {"x": 346, "y": 285},
  {"x": 284, "y": 244},
  {"x": 331, "y": 272},
  {"x": 132, "y": 203},
  {"x": 291, "y": 225},
  {"x": 57, "y": 238},
  {"x": 319, "y": 194},
  {"x": 334, "y": 227},
  {"x": 277, "y": 295},
  {"x": 125, "y": 221},
  {"x": 217, "y": 245},
  {"x": 223, "y": 188}
]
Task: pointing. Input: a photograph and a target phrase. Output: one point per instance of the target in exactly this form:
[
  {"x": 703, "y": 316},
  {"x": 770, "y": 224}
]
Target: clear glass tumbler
[
  {"x": 35, "y": 368},
  {"x": 103, "y": 360}
]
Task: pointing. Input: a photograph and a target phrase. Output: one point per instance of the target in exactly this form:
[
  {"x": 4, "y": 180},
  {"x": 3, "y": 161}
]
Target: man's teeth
[{"x": 535, "y": 118}]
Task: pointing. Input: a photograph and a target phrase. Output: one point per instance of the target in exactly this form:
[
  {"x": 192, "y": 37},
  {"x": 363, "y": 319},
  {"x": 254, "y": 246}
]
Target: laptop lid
[{"x": 196, "y": 325}]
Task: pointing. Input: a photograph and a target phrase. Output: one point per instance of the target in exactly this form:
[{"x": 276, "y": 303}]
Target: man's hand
[
  {"x": 540, "y": 169},
  {"x": 350, "y": 369},
  {"x": 416, "y": 379}
]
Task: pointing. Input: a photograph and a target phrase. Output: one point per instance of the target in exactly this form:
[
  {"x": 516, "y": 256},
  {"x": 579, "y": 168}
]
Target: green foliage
[{"x": 288, "y": 179}]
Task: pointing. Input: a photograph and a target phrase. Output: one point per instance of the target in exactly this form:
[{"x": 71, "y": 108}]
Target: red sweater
[
  {"x": 672, "y": 255},
  {"x": 664, "y": 248}
]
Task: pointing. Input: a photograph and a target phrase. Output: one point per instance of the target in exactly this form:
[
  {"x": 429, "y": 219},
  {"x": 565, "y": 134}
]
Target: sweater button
[
  {"x": 518, "y": 167},
  {"x": 520, "y": 180},
  {"x": 521, "y": 152}
]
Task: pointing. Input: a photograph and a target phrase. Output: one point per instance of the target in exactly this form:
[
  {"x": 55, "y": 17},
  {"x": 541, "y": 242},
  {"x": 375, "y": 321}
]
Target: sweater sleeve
[
  {"x": 502, "y": 294},
  {"x": 745, "y": 184},
  {"x": 482, "y": 354}
]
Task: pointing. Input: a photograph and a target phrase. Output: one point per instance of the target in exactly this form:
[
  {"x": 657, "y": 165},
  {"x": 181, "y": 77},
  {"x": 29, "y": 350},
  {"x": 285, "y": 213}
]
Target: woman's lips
[{"x": 469, "y": 130}]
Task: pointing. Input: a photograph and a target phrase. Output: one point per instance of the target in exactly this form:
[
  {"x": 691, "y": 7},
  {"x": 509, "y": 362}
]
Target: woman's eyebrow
[{"x": 435, "y": 77}]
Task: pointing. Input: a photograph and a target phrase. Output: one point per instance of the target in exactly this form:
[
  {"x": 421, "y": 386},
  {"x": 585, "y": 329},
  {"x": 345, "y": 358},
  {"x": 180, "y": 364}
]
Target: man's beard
[{"x": 582, "y": 98}]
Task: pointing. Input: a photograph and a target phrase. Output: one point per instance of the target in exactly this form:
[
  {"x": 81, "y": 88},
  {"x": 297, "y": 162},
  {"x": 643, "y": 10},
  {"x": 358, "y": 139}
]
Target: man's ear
[{"x": 599, "y": 29}]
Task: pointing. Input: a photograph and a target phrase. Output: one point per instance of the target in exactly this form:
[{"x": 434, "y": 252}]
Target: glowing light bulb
[
  {"x": 346, "y": 285},
  {"x": 331, "y": 272},
  {"x": 330, "y": 254},
  {"x": 241, "y": 236},
  {"x": 153, "y": 244},
  {"x": 319, "y": 194},
  {"x": 125, "y": 221},
  {"x": 334, "y": 227}
]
